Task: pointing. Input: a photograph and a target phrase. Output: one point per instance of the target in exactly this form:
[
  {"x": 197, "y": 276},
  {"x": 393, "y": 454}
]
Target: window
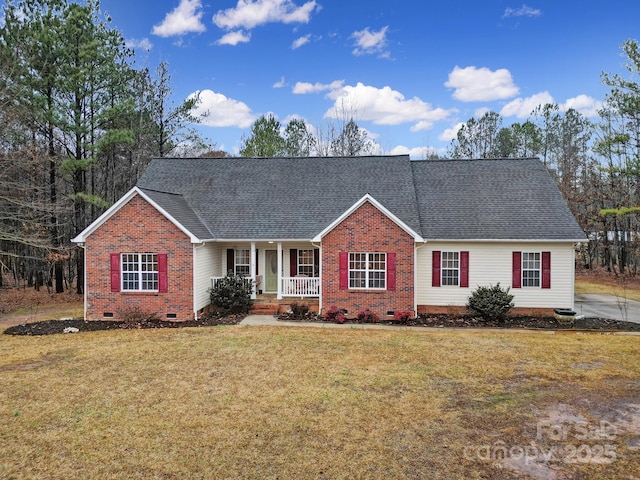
[
  {"x": 530, "y": 269},
  {"x": 242, "y": 261},
  {"x": 450, "y": 268},
  {"x": 367, "y": 270},
  {"x": 305, "y": 263},
  {"x": 139, "y": 272}
]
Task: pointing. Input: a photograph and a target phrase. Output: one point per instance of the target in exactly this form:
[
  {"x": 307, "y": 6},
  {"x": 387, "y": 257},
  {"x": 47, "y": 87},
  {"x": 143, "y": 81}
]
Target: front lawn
[{"x": 319, "y": 403}]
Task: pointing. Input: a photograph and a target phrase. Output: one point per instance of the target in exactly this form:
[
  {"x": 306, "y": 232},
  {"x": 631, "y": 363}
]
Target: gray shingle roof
[
  {"x": 283, "y": 198},
  {"x": 176, "y": 206},
  {"x": 296, "y": 198},
  {"x": 502, "y": 199}
]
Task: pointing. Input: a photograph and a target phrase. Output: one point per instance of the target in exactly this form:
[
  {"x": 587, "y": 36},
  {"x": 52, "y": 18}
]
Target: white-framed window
[
  {"x": 305, "y": 262},
  {"x": 367, "y": 270},
  {"x": 242, "y": 262},
  {"x": 139, "y": 272},
  {"x": 531, "y": 268},
  {"x": 450, "y": 268}
]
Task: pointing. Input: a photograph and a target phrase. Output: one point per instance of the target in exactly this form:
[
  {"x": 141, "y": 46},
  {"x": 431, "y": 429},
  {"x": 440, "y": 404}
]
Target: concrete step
[{"x": 264, "y": 309}]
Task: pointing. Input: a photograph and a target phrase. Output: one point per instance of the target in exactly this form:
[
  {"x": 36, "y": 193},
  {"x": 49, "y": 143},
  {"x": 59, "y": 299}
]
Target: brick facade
[
  {"x": 368, "y": 229},
  {"x": 138, "y": 227}
]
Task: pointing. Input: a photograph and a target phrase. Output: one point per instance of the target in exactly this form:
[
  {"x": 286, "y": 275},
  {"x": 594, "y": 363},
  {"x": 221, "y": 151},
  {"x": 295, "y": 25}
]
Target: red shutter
[
  {"x": 435, "y": 268},
  {"x": 163, "y": 281},
  {"x": 293, "y": 262},
  {"x": 231, "y": 260},
  {"x": 546, "y": 269},
  {"x": 115, "y": 272},
  {"x": 316, "y": 262},
  {"x": 516, "y": 270},
  {"x": 391, "y": 271},
  {"x": 344, "y": 270},
  {"x": 464, "y": 269}
]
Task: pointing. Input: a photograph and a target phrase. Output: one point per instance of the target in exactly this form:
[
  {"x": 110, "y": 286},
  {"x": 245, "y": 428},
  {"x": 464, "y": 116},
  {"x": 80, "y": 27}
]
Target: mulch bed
[
  {"x": 468, "y": 321},
  {"x": 58, "y": 326},
  {"x": 434, "y": 321}
]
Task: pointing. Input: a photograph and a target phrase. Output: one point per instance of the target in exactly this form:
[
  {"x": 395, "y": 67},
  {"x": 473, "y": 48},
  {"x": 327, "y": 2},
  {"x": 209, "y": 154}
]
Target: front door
[{"x": 271, "y": 271}]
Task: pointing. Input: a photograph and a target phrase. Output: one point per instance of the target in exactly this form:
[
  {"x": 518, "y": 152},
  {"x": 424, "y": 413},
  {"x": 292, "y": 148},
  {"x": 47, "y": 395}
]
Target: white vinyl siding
[
  {"x": 490, "y": 263},
  {"x": 208, "y": 261}
]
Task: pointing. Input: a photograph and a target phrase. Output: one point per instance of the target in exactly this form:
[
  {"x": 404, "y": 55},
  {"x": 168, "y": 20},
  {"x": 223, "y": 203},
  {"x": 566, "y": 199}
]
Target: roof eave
[
  {"x": 368, "y": 198},
  {"x": 82, "y": 236}
]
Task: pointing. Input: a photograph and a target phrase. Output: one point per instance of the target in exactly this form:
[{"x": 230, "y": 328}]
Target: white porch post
[
  {"x": 252, "y": 269},
  {"x": 279, "y": 274}
]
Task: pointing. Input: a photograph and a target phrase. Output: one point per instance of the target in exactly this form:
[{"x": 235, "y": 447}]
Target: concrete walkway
[{"x": 270, "y": 320}]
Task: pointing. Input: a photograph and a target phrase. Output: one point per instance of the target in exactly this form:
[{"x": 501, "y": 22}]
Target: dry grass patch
[
  {"x": 238, "y": 402},
  {"x": 602, "y": 282}
]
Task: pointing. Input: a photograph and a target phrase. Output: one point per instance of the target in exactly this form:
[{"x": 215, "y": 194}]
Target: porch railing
[
  {"x": 300, "y": 286},
  {"x": 292, "y": 286}
]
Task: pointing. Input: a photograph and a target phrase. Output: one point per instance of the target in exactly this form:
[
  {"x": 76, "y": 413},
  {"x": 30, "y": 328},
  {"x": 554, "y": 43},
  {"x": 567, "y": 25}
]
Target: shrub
[
  {"x": 232, "y": 293},
  {"x": 367, "y": 316},
  {"x": 299, "y": 309},
  {"x": 137, "y": 317},
  {"x": 402, "y": 315},
  {"x": 334, "y": 314},
  {"x": 490, "y": 303}
]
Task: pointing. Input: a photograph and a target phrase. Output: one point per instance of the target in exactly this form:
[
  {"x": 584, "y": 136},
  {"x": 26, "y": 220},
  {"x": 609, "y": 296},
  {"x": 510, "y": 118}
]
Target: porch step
[{"x": 264, "y": 308}]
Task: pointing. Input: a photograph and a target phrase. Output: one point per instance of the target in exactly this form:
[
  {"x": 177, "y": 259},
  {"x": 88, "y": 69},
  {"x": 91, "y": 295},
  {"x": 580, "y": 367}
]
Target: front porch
[{"x": 284, "y": 270}]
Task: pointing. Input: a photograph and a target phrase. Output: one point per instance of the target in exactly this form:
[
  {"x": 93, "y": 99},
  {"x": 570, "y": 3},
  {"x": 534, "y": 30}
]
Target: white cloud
[
  {"x": 479, "y": 112},
  {"x": 450, "y": 133},
  {"x": 216, "y": 110},
  {"x": 473, "y": 84},
  {"x": 302, "y": 88},
  {"x": 522, "y": 107},
  {"x": 416, "y": 153},
  {"x": 370, "y": 43},
  {"x": 143, "y": 43},
  {"x": 280, "y": 84},
  {"x": 249, "y": 14},
  {"x": 384, "y": 106},
  {"x": 184, "y": 19},
  {"x": 300, "y": 42},
  {"x": 584, "y": 104},
  {"x": 234, "y": 38},
  {"x": 523, "y": 11}
]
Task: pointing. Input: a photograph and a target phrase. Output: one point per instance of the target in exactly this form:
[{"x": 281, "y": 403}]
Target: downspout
[
  {"x": 195, "y": 310},
  {"x": 320, "y": 277},
  {"x": 84, "y": 288},
  {"x": 415, "y": 276}
]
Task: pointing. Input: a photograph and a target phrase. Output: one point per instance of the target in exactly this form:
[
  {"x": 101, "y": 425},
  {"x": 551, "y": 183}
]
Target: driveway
[{"x": 607, "y": 306}]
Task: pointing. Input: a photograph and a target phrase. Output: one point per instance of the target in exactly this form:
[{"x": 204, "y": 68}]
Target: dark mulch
[
  {"x": 58, "y": 326},
  {"x": 468, "y": 321}
]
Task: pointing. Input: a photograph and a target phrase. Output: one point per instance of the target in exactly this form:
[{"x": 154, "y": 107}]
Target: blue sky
[{"x": 410, "y": 72}]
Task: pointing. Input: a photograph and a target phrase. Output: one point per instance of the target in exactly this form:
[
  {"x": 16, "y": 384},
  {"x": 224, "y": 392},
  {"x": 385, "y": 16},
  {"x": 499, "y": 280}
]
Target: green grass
[{"x": 297, "y": 403}]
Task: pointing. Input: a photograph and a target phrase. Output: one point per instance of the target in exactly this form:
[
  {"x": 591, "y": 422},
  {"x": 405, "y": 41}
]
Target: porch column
[
  {"x": 252, "y": 269},
  {"x": 279, "y": 275}
]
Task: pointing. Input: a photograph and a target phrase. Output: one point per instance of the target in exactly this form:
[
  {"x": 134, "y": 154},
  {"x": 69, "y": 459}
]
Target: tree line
[
  {"x": 595, "y": 163},
  {"x": 80, "y": 120}
]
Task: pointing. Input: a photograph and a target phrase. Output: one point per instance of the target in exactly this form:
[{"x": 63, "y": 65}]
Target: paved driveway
[{"x": 607, "y": 306}]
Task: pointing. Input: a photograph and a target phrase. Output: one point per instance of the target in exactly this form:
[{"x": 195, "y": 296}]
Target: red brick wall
[
  {"x": 368, "y": 230},
  {"x": 139, "y": 228}
]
